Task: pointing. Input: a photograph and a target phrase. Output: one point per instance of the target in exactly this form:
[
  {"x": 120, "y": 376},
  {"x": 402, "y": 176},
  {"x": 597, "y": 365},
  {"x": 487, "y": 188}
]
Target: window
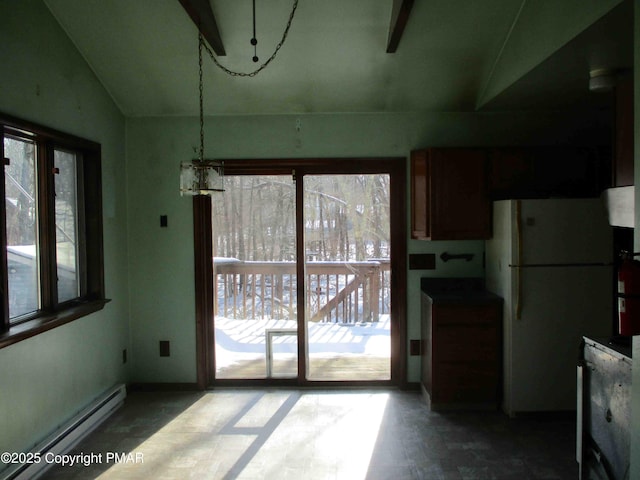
[
  {"x": 51, "y": 254},
  {"x": 66, "y": 216}
]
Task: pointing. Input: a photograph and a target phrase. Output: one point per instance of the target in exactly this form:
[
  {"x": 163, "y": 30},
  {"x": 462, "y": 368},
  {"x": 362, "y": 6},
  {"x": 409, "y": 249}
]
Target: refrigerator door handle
[{"x": 518, "y": 279}]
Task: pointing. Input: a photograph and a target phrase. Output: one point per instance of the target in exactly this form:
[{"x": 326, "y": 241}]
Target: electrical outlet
[
  {"x": 124, "y": 355},
  {"x": 164, "y": 221},
  {"x": 165, "y": 348},
  {"x": 415, "y": 347},
  {"x": 422, "y": 261}
]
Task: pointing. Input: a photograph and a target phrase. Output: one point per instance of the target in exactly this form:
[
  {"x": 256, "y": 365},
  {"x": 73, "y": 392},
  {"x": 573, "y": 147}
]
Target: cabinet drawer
[
  {"x": 465, "y": 382},
  {"x": 465, "y": 315},
  {"x": 467, "y": 344},
  {"x": 465, "y": 374}
]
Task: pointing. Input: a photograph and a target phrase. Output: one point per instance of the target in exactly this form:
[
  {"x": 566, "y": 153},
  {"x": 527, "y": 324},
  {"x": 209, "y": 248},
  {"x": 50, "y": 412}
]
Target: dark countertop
[{"x": 457, "y": 290}]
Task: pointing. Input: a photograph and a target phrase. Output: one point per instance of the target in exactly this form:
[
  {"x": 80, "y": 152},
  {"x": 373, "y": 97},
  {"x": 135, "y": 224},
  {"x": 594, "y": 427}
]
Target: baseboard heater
[{"x": 70, "y": 434}]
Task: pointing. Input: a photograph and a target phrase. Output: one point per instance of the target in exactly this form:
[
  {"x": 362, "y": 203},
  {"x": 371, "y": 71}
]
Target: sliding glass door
[
  {"x": 302, "y": 276},
  {"x": 348, "y": 267},
  {"x": 255, "y": 310}
]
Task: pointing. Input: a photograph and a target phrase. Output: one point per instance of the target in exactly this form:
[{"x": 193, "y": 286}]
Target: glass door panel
[
  {"x": 347, "y": 270},
  {"x": 255, "y": 312}
]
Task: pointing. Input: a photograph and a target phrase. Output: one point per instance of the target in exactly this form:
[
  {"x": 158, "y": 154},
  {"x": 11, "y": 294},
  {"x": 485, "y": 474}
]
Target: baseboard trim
[
  {"x": 65, "y": 438},
  {"x": 412, "y": 386}
]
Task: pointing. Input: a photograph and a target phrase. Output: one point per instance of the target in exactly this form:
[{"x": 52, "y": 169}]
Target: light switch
[{"x": 165, "y": 349}]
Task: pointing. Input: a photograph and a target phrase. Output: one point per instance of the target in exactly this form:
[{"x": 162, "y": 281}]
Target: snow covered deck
[{"x": 360, "y": 351}]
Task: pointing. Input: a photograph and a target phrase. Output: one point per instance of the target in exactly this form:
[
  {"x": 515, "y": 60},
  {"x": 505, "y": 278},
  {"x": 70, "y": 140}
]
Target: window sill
[{"x": 46, "y": 322}]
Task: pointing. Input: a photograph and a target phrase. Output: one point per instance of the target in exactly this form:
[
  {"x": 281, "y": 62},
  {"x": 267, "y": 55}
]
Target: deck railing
[{"x": 339, "y": 292}]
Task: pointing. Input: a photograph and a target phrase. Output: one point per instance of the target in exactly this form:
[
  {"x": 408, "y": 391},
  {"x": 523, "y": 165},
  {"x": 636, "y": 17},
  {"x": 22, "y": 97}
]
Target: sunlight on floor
[
  {"x": 266, "y": 434},
  {"x": 352, "y": 438},
  {"x": 319, "y": 434}
]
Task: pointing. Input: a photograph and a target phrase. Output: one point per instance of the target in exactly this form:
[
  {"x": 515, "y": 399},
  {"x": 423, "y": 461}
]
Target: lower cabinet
[{"x": 462, "y": 351}]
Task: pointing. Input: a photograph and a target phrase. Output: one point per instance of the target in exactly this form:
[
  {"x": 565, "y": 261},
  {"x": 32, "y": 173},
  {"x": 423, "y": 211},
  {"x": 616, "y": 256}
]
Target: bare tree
[{"x": 346, "y": 218}]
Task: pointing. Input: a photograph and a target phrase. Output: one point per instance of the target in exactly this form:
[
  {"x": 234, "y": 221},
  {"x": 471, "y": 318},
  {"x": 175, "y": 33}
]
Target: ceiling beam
[
  {"x": 202, "y": 15},
  {"x": 399, "y": 17}
]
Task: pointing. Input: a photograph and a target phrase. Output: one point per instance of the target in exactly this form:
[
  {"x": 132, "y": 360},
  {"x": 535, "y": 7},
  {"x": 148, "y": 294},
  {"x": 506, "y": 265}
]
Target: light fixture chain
[
  {"x": 264, "y": 65},
  {"x": 201, "y": 43}
]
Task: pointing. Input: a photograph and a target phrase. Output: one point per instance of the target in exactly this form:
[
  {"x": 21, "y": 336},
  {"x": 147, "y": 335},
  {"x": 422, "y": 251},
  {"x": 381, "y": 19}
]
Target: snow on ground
[{"x": 238, "y": 340}]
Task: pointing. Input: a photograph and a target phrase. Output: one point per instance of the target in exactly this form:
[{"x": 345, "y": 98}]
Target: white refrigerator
[{"x": 551, "y": 262}]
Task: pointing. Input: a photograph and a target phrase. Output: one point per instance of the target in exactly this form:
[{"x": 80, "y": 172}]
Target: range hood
[{"x": 620, "y": 205}]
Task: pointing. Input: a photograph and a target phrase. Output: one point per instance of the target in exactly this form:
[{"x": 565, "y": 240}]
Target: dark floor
[{"x": 319, "y": 434}]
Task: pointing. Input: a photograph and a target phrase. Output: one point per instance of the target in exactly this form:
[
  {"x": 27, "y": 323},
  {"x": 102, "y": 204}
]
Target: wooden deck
[
  {"x": 339, "y": 367},
  {"x": 347, "y": 305},
  {"x": 336, "y": 351}
]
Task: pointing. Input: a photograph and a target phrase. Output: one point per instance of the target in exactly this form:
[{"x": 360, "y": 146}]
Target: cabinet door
[
  {"x": 543, "y": 172},
  {"x": 624, "y": 132},
  {"x": 466, "y": 353},
  {"x": 426, "y": 343},
  {"x": 511, "y": 174},
  {"x": 460, "y": 208}
]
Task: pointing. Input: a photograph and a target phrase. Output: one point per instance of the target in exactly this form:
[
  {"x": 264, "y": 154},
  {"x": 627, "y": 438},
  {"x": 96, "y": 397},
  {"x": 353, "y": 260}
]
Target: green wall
[
  {"x": 161, "y": 266},
  {"x": 48, "y": 378}
]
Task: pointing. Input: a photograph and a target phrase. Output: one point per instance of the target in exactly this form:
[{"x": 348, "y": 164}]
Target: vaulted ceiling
[{"x": 454, "y": 55}]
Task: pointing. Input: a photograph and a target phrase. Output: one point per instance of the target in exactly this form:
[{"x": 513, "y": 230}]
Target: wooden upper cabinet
[
  {"x": 544, "y": 172},
  {"x": 624, "y": 131},
  {"x": 448, "y": 194}
]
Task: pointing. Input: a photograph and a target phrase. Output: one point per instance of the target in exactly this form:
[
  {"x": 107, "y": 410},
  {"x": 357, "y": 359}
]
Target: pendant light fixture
[
  {"x": 200, "y": 176},
  {"x": 204, "y": 177}
]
